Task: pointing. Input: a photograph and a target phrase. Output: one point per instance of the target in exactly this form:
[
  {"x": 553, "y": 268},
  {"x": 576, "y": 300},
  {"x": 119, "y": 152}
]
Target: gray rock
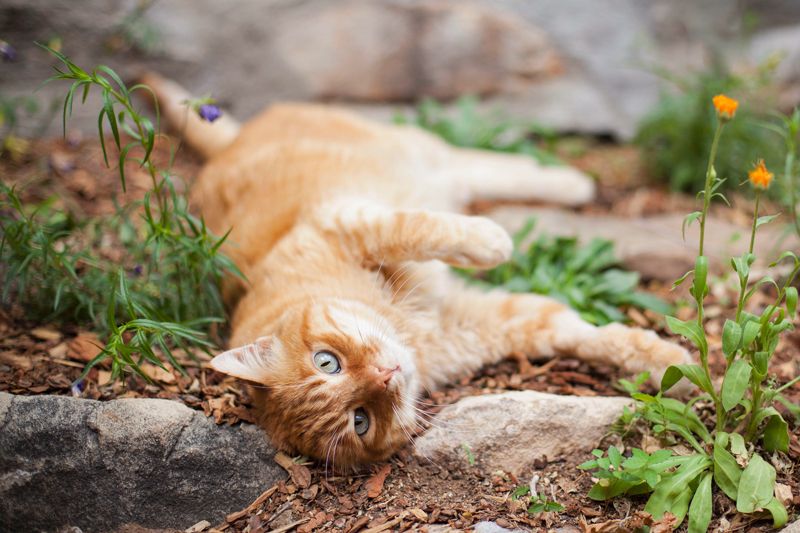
[
  {"x": 577, "y": 65},
  {"x": 491, "y": 527},
  {"x": 99, "y": 465},
  {"x": 794, "y": 527},
  {"x": 509, "y": 431},
  {"x": 653, "y": 245}
]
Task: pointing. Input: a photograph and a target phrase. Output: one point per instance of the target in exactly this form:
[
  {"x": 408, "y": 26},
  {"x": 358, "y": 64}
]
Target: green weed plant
[
  {"x": 676, "y": 135},
  {"x": 163, "y": 295},
  {"x": 585, "y": 277},
  {"x": 734, "y": 454},
  {"x": 467, "y": 127}
]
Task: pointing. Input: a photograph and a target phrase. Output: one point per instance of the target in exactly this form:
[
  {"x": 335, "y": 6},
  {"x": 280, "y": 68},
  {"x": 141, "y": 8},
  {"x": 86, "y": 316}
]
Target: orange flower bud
[
  {"x": 726, "y": 107},
  {"x": 760, "y": 177}
]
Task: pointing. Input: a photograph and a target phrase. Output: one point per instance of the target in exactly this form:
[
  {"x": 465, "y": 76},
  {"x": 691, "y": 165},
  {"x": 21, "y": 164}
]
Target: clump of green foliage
[
  {"x": 165, "y": 291},
  {"x": 676, "y": 135},
  {"x": 537, "y": 502},
  {"x": 468, "y": 128},
  {"x": 585, "y": 277},
  {"x": 746, "y": 421}
]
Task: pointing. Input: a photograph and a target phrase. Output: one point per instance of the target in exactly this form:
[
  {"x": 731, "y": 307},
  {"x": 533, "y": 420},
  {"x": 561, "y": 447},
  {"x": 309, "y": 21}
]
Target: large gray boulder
[
  {"x": 577, "y": 65},
  {"x": 99, "y": 465},
  {"x": 509, "y": 431}
]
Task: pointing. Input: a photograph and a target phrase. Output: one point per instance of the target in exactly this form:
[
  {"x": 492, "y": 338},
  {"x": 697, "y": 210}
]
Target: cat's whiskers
[{"x": 331, "y": 447}]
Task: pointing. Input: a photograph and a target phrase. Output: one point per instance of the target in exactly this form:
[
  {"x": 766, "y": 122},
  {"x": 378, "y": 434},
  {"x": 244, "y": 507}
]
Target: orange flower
[
  {"x": 726, "y": 107},
  {"x": 760, "y": 177}
]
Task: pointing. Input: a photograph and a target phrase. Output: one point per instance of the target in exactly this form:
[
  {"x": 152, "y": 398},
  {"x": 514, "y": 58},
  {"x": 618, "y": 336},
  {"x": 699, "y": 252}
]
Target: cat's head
[{"x": 334, "y": 382}]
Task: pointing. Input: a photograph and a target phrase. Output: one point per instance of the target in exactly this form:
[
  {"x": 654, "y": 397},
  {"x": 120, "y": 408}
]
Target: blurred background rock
[{"x": 584, "y": 66}]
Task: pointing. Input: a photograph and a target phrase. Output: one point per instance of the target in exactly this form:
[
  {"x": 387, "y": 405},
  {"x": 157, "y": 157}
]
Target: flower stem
[
  {"x": 743, "y": 285},
  {"x": 709, "y": 183}
]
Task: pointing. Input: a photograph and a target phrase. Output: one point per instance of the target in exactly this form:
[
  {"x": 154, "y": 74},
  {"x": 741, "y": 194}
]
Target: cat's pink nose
[{"x": 384, "y": 375}]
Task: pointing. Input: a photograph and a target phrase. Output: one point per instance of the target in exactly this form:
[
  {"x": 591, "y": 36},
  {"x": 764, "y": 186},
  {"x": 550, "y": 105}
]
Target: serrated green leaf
[{"x": 735, "y": 383}]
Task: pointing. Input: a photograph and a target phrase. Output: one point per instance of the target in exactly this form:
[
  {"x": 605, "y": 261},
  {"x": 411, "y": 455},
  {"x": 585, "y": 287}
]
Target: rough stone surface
[
  {"x": 653, "y": 245},
  {"x": 794, "y": 527},
  {"x": 99, "y": 465},
  {"x": 509, "y": 431},
  {"x": 578, "y": 65},
  {"x": 491, "y": 527}
]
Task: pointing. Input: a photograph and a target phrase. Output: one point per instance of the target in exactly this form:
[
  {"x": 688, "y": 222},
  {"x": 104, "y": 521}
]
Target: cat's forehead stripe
[{"x": 353, "y": 321}]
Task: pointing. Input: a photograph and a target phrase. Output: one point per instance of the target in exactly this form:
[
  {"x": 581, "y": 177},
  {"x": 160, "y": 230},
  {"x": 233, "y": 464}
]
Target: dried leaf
[
  {"x": 783, "y": 493},
  {"x": 84, "y": 347},
  {"x": 636, "y": 521},
  {"x": 301, "y": 476},
  {"x": 419, "y": 514},
  {"x": 667, "y": 523},
  {"x": 374, "y": 484},
  {"x": 46, "y": 334}
]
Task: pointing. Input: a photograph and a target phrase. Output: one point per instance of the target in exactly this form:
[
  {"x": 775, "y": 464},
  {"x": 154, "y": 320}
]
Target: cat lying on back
[{"x": 344, "y": 229}]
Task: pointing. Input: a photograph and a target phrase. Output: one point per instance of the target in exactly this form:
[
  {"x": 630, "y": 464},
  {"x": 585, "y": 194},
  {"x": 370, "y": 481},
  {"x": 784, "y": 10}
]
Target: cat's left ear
[{"x": 250, "y": 362}]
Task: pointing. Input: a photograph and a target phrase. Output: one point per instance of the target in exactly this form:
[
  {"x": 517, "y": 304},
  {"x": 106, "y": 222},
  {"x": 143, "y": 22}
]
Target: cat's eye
[
  {"x": 327, "y": 362},
  {"x": 360, "y": 421}
]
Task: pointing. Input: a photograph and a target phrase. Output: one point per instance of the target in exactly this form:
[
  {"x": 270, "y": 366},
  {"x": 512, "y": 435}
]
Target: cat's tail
[{"x": 207, "y": 138}]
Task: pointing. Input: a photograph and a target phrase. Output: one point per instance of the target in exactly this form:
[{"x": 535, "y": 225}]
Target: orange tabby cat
[{"x": 344, "y": 229}]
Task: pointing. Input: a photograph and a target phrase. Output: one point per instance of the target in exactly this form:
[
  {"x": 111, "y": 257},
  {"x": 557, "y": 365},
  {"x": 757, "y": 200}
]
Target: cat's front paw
[{"x": 484, "y": 244}]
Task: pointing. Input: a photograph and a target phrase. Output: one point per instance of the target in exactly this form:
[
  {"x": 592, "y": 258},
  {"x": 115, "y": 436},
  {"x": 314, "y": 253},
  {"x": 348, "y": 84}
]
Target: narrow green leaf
[
  {"x": 735, "y": 383},
  {"x": 756, "y": 485},
  {"x": 726, "y": 470},
  {"x": 687, "y": 221},
  {"x": 731, "y": 338},
  {"x": 766, "y": 219},
  {"x": 700, "y": 508},
  {"x": 690, "y": 330},
  {"x": 693, "y": 373},
  {"x": 681, "y": 279},
  {"x": 791, "y": 302},
  {"x": 778, "y": 512},
  {"x": 100, "y": 133},
  {"x": 750, "y": 333},
  {"x": 122, "y": 88}
]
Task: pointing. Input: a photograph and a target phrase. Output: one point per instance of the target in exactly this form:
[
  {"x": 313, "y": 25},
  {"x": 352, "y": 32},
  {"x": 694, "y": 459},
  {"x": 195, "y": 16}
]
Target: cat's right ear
[{"x": 250, "y": 362}]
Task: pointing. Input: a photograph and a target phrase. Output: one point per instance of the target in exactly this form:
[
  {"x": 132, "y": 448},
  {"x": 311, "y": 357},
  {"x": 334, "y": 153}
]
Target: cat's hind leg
[
  {"x": 500, "y": 176},
  {"x": 483, "y": 327}
]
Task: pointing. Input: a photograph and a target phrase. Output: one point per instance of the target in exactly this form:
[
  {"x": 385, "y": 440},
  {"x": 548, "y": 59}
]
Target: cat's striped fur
[{"x": 344, "y": 229}]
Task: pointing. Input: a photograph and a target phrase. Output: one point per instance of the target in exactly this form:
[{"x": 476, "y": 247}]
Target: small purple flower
[
  {"x": 78, "y": 387},
  {"x": 209, "y": 112},
  {"x": 7, "y": 52},
  {"x": 137, "y": 270}
]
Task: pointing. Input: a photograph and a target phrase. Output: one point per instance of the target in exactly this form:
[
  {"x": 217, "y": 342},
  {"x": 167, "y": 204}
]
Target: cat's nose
[{"x": 383, "y": 376}]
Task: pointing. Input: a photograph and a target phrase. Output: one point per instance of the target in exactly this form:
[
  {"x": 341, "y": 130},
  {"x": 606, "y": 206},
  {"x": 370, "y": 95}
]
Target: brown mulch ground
[{"x": 407, "y": 492}]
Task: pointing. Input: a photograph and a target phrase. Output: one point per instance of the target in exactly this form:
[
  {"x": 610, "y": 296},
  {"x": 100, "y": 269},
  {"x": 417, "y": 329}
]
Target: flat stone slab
[
  {"x": 100, "y": 465},
  {"x": 509, "y": 431},
  {"x": 653, "y": 245}
]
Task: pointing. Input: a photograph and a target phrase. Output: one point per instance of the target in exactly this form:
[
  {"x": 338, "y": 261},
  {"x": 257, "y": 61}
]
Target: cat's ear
[{"x": 250, "y": 362}]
